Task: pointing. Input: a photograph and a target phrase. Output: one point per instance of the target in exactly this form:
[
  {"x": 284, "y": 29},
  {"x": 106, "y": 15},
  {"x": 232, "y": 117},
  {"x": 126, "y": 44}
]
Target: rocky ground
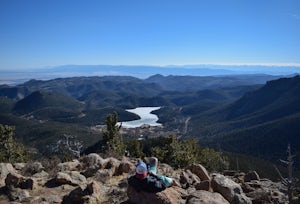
[{"x": 92, "y": 179}]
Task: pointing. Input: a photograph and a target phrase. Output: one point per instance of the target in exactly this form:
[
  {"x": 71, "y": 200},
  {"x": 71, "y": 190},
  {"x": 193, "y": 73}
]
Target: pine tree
[
  {"x": 10, "y": 150},
  {"x": 111, "y": 139}
]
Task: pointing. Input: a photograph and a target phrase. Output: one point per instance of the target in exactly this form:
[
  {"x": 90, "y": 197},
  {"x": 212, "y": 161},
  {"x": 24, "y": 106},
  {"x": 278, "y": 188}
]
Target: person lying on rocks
[{"x": 147, "y": 179}]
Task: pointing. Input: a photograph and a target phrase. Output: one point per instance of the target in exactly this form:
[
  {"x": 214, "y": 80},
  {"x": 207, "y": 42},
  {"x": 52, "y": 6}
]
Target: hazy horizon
[{"x": 13, "y": 77}]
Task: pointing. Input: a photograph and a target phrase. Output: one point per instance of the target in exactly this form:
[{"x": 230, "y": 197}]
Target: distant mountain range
[
  {"x": 251, "y": 114},
  {"x": 22, "y": 75}
]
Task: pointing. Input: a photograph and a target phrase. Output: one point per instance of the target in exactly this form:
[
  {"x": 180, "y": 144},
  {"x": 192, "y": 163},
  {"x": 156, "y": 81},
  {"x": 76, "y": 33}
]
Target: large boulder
[
  {"x": 73, "y": 178},
  {"x": 92, "y": 159},
  {"x": 187, "y": 177},
  {"x": 230, "y": 190},
  {"x": 5, "y": 169},
  {"x": 14, "y": 180},
  {"x": 206, "y": 197},
  {"x": 126, "y": 166},
  {"x": 168, "y": 196},
  {"x": 112, "y": 164},
  {"x": 92, "y": 163},
  {"x": 32, "y": 168},
  {"x": 91, "y": 194},
  {"x": 165, "y": 169},
  {"x": 74, "y": 165},
  {"x": 200, "y": 171}
]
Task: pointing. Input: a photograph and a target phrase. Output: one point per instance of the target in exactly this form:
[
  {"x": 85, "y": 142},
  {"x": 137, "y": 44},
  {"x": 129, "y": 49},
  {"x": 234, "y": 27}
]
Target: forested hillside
[{"x": 243, "y": 114}]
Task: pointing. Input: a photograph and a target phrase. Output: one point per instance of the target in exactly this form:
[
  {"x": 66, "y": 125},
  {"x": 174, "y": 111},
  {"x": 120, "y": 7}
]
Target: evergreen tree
[
  {"x": 111, "y": 140},
  {"x": 10, "y": 150},
  {"x": 135, "y": 148},
  {"x": 177, "y": 152},
  {"x": 213, "y": 160}
]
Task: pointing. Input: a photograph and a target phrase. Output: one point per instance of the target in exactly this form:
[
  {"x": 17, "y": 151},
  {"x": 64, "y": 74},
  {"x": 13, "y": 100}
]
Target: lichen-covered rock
[{"x": 206, "y": 197}]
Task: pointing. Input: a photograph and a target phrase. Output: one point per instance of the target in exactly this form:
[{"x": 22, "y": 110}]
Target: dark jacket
[{"x": 149, "y": 184}]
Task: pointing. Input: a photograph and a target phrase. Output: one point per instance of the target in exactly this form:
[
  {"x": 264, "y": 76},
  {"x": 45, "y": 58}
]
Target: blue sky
[{"x": 40, "y": 33}]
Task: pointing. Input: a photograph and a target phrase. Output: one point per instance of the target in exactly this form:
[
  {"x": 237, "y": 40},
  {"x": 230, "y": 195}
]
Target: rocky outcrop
[
  {"x": 229, "y": 189},
  {"x": 168, "y": 196},
  {"x": 206, "y": 197},
  {"x": 93, "y": 179}
]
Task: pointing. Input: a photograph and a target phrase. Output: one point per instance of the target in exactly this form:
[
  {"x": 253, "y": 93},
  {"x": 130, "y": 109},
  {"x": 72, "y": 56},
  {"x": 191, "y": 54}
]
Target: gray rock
[
  {"x": 74, "y": 165},
  {"x": 5, "y": 169},
  {"x": 19, "y": 166},
  {"x": 206, "y": 197},
  {"x": 17, "y": 194},
  {"x": 188, "y": 177},
  {"x": 103, "y": 175},
  {"x": 42, "y": 174},
  {"x": 72, "y": 178},
  {"x": 260, "y": 196},
  {"x": 230, "y": 190},
  {"x": 92, "y": 159},
  {"x": 92, "y": 163},
  {"x": 32, "y": 168}
]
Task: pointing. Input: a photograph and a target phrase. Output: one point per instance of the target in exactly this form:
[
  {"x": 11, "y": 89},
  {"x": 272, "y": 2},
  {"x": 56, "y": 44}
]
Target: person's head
[{"x": 141, "y": 170}]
